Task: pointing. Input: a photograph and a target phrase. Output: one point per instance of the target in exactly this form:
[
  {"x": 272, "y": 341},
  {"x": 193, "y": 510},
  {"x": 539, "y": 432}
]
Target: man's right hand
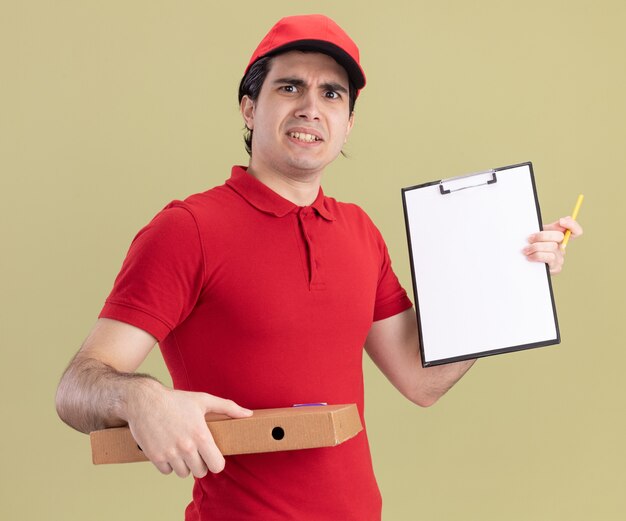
[
  {"x": 170, "y": 428},
  {"x": 101, "y": 389}
]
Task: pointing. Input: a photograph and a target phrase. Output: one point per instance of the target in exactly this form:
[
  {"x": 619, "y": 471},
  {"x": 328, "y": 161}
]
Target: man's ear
[
  {"x": 350, "y": 125},
  {"x": 247, "y": 111}
]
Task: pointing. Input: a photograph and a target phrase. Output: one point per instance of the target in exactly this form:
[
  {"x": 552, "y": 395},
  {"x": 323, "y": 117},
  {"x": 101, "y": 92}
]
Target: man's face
[{"x": 301, "y": 117}]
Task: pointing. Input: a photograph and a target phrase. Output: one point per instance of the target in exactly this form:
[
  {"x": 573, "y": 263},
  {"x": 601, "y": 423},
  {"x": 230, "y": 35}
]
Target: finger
[
  {"x": 571, "y": 225},
  {"x": 549, "y": 247},
  {"x": 163, "y": 467},
  {"x": 180, "y": 467},
  {"x": 552, "y": 259},
  {"x": 159, "y": 460},
  {"x": 211, "y": 455},
  {"x": 182, "y": 460},
  {"x": 188, "y": 450},
  {"x": 556, "y": 270},
  {"x": 557, "y": 265},
  {"x": 228, "y": 407},
  {"x": 196, "y": 464},
  {"x": 556, "y": 225},
  {"x": 546, "y": 236}
]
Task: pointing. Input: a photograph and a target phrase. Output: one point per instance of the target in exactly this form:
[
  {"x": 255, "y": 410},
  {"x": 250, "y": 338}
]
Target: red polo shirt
[{"x": 258, "y": 300}]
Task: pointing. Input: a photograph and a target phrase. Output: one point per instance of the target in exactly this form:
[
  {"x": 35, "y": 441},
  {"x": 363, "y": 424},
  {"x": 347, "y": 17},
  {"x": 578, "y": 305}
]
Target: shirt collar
[{"x": 265, "y": 199}]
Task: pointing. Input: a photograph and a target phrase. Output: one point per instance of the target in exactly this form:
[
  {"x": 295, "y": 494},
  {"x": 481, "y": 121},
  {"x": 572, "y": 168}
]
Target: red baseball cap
[{"x": 313, "y": 32}]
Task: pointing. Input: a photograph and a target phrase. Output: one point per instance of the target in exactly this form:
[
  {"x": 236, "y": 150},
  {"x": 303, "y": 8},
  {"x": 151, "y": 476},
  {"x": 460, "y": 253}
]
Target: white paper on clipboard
[{"x": 476, "y": 294}]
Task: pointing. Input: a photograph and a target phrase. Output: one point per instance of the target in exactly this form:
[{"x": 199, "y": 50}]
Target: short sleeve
[
  {"x": 162, "y": 275},
  {"x": 391, "y": 297}
]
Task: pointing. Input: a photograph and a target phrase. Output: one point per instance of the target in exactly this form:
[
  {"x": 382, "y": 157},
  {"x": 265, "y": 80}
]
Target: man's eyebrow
[{"x": 299, "y": 82}]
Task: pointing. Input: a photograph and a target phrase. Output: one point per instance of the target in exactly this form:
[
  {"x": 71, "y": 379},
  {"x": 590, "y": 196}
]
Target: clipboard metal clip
[{"x": 455, "y": 184}]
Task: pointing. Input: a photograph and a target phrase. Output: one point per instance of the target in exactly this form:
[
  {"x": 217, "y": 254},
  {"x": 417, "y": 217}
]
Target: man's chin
[{"x": 308, "y": 164}]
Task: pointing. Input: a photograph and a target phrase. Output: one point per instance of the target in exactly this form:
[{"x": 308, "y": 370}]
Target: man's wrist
[{"x": 138, "y": 392}]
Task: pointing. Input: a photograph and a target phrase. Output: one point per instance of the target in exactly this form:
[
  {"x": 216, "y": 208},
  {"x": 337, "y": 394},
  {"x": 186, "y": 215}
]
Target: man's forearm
[
  {"x": 93, "y": 395},
  {"x": 393, "y": 345},
  {"x": 437, "y": 380}
]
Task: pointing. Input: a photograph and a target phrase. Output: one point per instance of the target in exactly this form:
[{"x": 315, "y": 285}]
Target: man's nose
[{"x": 309, "y": 106}]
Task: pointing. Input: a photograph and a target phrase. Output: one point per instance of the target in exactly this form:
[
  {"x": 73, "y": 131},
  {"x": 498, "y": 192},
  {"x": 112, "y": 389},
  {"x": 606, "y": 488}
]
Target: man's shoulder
[
  {"x": 215, "y": 198},
  {"x": 188, "y": 215},
  {"x": 208, "y": 204}
]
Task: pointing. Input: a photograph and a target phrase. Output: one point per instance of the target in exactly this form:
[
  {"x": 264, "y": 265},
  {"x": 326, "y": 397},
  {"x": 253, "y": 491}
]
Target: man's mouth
[{"x": 302, "y": 136}]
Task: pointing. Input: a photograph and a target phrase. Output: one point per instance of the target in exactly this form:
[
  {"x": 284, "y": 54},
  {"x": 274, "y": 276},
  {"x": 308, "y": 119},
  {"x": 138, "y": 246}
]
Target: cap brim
[{"x": 356, "y": 75}]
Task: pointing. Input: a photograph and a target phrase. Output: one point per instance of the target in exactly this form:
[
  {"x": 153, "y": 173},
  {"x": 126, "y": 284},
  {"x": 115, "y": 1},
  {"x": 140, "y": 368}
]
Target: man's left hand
[{"x": 545, "y": 246}]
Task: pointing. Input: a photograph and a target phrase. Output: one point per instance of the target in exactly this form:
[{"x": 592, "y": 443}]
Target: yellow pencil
[{"x": 579, "y": 201}]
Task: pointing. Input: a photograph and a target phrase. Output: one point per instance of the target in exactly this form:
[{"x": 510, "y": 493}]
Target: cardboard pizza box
[{"x": 267, "y": 430}]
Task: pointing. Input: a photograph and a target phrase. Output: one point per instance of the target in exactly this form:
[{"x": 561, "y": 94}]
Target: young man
[{"x": 264, "y": 291}]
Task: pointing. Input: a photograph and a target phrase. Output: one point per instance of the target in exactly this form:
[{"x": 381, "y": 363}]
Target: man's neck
[{"x": 301, "y": 191}]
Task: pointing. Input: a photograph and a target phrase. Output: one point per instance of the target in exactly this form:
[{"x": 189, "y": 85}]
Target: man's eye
[
  {"x": 289, "y": 88},
  {"x": 331, "y": 94}
]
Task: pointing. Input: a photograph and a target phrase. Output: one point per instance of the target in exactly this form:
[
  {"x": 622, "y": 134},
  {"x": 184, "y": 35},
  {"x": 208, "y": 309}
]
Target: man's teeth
[{"x": 301, "y": 136}]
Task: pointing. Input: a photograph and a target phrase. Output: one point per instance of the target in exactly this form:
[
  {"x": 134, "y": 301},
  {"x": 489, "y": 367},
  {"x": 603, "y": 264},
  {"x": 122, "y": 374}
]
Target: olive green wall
[{"x": 108, "y": 110}]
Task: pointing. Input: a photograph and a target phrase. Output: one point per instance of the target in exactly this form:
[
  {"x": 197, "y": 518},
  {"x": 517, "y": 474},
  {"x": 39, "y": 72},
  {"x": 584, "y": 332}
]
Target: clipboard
[{"x": 476, "y": 294}]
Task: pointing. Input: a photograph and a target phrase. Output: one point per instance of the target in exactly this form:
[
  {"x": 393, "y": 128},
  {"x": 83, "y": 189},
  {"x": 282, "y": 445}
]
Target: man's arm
[
  {"x": 100, "y": 389},
  {"x": 393, "y": 345}
]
